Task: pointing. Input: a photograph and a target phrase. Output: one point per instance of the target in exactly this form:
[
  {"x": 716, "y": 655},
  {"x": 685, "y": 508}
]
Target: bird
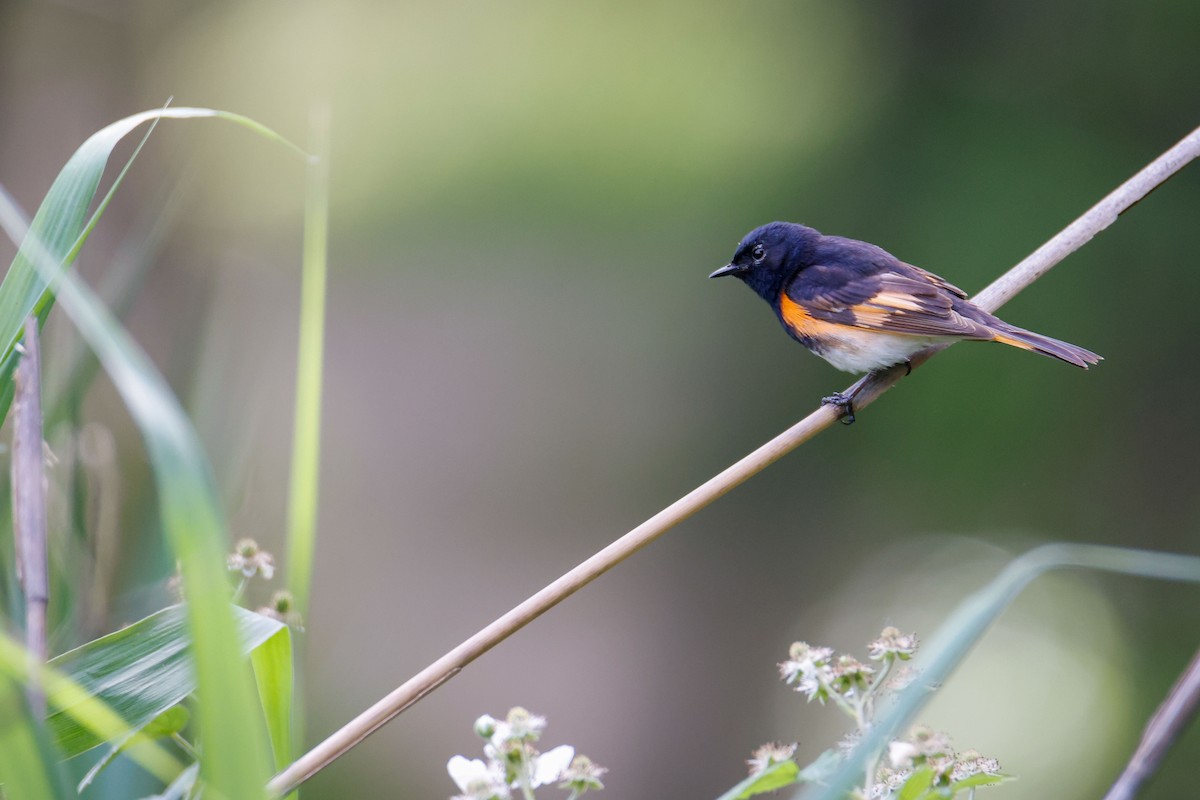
[{"x": 864, "y": 310}]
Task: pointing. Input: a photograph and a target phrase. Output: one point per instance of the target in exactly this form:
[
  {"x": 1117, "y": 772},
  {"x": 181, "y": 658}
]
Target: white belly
[{"x": 864, "y": 351}]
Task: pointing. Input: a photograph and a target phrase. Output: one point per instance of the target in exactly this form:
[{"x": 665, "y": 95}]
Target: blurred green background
[{"x": 525, "y": 359}]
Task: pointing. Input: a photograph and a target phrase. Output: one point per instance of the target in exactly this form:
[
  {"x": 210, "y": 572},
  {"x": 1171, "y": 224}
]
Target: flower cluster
[
  {"x": 511, "y": 762},
  {"x": 892, "y": 644},
  {"x": 249, "y": 560},
  {"x": 931, "y": 750},
  {"x": 857, "y": 688},
  {"x": 282, "y": 607},
  {"x": 769, "y": 755}
]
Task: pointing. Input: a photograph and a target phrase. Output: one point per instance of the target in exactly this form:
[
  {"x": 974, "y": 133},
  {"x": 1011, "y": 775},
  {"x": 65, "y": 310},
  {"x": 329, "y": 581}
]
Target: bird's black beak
[{"x": 728, "y": 269}]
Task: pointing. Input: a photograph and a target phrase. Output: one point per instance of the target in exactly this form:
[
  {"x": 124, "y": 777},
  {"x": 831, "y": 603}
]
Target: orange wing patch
[
  {"x": 795, "y": 316},
  {"x": 802, "y": 323}
]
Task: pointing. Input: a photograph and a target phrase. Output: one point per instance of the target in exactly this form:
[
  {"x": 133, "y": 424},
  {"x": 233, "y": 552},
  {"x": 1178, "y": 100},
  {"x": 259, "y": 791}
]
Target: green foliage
[
  {"x": 971, "y": 619},
  {"x": 28, "y": 764},
  {"x": 272, "y": 662},
  {"x": 922, "y": 785},
  {"x": 169, "y": 723},
  {"x": 302, "y": 494},
  {"x": 143, "y": 671},
  {"x": 234, "y": 763},
  {"x": 773, "y": 777}
]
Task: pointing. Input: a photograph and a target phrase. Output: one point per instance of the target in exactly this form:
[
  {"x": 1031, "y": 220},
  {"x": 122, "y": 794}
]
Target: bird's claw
[{"x": 844, "y": 402}]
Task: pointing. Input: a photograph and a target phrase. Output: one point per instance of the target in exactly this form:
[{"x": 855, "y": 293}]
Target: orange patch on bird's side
[
  {"x": 796, "y": 316},
  {"x": 804, "y": 325}
]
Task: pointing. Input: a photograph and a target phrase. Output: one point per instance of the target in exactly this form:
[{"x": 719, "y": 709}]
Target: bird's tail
[{"x": 1028, "y": 340}]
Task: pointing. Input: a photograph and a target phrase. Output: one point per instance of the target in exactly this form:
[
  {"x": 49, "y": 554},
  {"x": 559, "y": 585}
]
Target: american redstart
[{"x": 862, "y": 309}]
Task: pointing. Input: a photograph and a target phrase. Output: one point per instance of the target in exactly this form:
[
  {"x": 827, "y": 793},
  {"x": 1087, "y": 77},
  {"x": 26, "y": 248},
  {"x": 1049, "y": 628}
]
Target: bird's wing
[{"x": 900, "y": 299}]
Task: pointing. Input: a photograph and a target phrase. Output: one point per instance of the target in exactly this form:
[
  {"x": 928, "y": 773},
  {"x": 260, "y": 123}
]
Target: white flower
[
  {"x": 502, "y": 733},
  {"x": 249, "y": 560},
  {"x": 901, "y": 754},
  {"x": 477, "y": 780},
  {"x": 485, "y": 726},
  {"x": 769, "y": 755},
  {"x": 892, "y": 643},
  {"x": 550, "y": 765}
]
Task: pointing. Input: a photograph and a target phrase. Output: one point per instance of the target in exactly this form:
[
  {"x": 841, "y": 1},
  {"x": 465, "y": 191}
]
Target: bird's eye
[{"x": 759, "y": 252}]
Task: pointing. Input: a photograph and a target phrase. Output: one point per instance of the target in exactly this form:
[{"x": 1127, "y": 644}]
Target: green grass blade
[
  {"x": 306, "y": 440},
  {"x": 952, "y": 642},
  {"x": 139, "y": 672},
  {"x": 85, "y": 710},
  {"x": 272, "y": 661},
  {"x": 181, "y": 787},
  {"x": 235, "y": 762},
  {"x": 61, "y": 224},
  {"x": 234, "y": 756},
  {"x": 28, "y": 766}
]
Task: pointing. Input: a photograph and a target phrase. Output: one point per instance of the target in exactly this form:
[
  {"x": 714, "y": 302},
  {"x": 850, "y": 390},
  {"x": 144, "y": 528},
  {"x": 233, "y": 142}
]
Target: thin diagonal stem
[
  {"x": 1161, "y": 733},
  {"x": 1037, "y": 264}
]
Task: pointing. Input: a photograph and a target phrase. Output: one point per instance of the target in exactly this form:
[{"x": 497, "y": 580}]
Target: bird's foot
[
  {"x": 844, "y": 402},
  {"x": 907, "y": 367}
]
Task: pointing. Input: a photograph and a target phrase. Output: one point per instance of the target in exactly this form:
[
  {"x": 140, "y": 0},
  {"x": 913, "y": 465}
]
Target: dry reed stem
[
  {"x": 1071, "y": 238},
  {"x": 1161, "y": 732},
  {"x": 29, "y": 505}
]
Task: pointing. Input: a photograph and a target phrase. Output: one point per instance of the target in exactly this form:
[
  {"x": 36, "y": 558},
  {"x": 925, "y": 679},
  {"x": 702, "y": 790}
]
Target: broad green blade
[
  {"x": 950, "y": 645},
  {"x": 140, "y": 671},
  {"x": 235, "y": 762},
  {"x": 28, "y": 766},
  {"x": 86, "y": 711},
  {"x": 272, "y": 662}
]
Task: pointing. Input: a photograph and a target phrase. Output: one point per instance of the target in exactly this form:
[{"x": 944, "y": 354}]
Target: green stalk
[{"x": 306, "y": 440}]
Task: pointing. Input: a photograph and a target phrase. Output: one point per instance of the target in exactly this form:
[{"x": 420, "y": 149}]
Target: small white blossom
[
  {"x": 769, "y": 755},
  {"x": 893, "y": 643},
  {"x": 485, "y": 726},
  {"x": 972, "y": 763},
  {"x": 249, "y": 560},
  {"x": 901, "y": 754},
  {"x": 582, "y": 775},
  {"x": 550, "y": 765},
  {"x": 477, "y": 780}
]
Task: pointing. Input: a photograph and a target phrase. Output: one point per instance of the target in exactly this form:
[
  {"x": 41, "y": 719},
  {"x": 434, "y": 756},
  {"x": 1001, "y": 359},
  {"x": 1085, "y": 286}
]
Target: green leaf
[
  {"x": 181, "y": 787},
  {"x": 60, "y": 230},
  {"x": 235, "y": 762},
  {"x": 167, "y": 723},
  {"x": 980, "y": 779},
  {"x": 141, "y": 672},
  {"x": 917, "y": 784},
  {"x": 967, "y": 624},
  {"x": 306, "y": 438},
  {"x": 272, "y": 661},
  {"x": 85, "y": 710},
  {"x": 776, "y": 776},
  {"x": 28, "y": 764}
]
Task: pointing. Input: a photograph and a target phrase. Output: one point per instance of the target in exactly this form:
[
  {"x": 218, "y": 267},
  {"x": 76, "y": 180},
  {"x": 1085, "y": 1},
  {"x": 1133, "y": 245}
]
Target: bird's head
[{"x": 769, "y": 255}]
